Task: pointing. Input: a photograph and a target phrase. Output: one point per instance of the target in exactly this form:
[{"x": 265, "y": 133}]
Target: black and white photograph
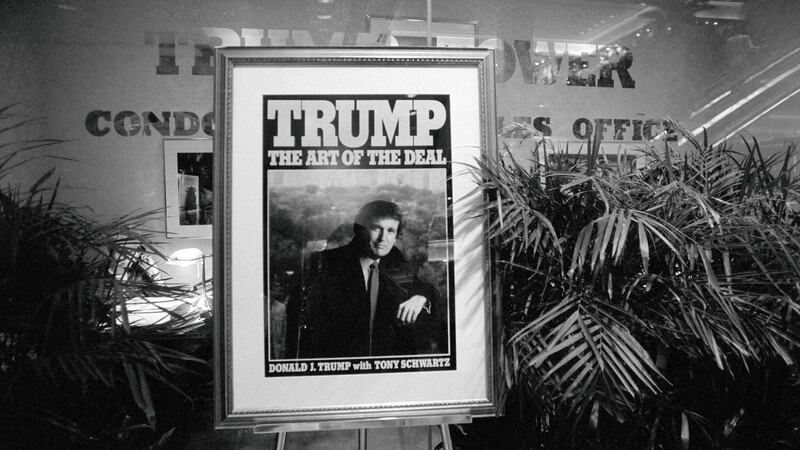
[
  {"x": 331, "y": 240},
  {"x": 195, "y": 188}
]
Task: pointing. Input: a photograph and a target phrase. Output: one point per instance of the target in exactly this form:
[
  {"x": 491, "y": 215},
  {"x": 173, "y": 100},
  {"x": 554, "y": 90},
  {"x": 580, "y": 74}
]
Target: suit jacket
[{"x": 339, "y": 308}]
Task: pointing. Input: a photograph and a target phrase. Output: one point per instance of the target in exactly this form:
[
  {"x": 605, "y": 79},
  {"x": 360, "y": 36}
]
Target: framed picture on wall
[
  {"x": 354, "y": 280},
  {"x": 189, "y": 189}
]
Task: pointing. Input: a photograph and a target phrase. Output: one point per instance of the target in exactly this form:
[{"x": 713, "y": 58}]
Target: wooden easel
[{"x": 442, "y": 425}]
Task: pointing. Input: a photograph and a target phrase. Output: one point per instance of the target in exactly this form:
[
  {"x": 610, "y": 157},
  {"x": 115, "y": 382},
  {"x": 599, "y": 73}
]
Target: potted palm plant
[
  {"x": 74, "y": 371},
  {"x": 649, "y": 307}
]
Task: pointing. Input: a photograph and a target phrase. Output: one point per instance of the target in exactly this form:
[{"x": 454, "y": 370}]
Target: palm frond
[{"x": 579, "y": 351}]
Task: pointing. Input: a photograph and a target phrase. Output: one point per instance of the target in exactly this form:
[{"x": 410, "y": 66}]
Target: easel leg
[
  {"x": 447, "y": 442},
  {"x": 362, "y": 439},
  {"x": 281, "y": 443}
]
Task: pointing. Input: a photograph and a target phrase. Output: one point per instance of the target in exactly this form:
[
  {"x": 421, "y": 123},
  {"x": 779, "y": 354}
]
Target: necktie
[{"x": 372, "y": 284}]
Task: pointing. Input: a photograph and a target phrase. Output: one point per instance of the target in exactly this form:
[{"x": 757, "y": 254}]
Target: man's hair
[{"x": 378, "y": 209}]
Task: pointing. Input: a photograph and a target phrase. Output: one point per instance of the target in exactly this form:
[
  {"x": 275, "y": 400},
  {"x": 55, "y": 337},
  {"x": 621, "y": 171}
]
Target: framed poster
[
  {"x": 354, "y": 280},
  {"x": 188, "y": 187}
]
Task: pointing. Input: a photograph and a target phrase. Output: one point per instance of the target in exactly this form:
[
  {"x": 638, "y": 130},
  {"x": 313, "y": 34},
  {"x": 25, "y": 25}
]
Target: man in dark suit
[{"x": 364, "y": 301}]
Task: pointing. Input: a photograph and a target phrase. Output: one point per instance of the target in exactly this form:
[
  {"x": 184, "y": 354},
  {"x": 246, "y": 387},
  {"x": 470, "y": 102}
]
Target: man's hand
[{"x": 409, "y": 310}]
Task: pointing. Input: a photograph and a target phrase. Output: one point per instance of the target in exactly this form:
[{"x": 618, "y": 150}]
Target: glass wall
[{"x": 117, "y": 78}]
